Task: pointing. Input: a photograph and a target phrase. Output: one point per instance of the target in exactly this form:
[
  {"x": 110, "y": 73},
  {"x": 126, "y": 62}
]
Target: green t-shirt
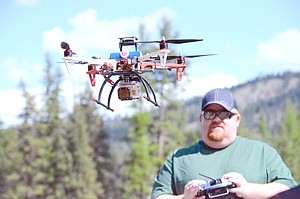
[{"x": 255, "y": 160}]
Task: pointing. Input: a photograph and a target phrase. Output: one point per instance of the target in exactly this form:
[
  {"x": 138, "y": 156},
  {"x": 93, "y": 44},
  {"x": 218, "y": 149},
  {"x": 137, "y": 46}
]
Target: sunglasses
[{"x": 210, "y": 115}]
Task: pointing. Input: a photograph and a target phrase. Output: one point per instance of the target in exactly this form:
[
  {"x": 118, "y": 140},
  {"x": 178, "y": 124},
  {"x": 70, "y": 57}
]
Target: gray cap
[{"x": 219, "y": 96}]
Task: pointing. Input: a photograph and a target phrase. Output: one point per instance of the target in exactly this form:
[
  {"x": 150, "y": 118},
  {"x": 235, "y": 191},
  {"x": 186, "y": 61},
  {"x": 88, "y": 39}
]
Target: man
[{"x": 252, "y": 166}]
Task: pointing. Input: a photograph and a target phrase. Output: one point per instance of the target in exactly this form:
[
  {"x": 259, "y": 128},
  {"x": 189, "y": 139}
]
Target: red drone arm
[{"x": 180, "y": 68}]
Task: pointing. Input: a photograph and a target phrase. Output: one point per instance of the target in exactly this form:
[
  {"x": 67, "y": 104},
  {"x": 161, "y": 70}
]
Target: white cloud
[
  {"x": 91, "y": 34},
  {"x": 10, "y": 106},
  {"x": 199, "y": 86},
  {"x": 52, "y": 39},
  {"x": 281, "y": 52}
]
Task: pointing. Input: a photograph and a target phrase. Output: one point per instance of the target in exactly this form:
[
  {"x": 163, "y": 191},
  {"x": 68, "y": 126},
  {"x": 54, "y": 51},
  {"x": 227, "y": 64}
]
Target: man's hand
[
  {"x": 191, "y": 189},
  {"x": 248, "y": 190},
  {"x": 242, "y": 187}
]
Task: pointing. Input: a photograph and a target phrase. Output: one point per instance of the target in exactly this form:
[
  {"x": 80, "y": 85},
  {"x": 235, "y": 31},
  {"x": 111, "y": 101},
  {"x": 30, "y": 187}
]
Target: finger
[
  {"x": 192, "y": 187},
  {"x": 235, "y": 181},
  {"x": 232, "y": 175},
  {"x": 234, "y": 190}
]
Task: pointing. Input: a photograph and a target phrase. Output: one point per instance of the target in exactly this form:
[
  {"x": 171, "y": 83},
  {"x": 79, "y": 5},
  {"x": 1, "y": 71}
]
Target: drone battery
[{"x": 129, "y": 91}]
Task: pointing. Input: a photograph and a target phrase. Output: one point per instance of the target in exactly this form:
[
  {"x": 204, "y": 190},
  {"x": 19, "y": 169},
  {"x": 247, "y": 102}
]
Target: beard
[{"x": 216, "y": 134}]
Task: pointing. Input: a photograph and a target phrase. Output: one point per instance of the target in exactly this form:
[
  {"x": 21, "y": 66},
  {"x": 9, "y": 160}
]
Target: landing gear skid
[{"x": 124, "y": 76}]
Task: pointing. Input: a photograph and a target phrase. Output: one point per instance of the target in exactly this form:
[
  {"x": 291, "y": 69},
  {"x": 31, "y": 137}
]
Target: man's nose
[{"x": 217, "y": 119}]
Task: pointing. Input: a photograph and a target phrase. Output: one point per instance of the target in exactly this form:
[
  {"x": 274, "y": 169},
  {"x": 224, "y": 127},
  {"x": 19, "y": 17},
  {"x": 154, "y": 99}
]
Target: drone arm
[
  {"x": 109, "y": 80},
  {"x": 92, "y": 76},
  {"x": 179, "y": 74},
  {"x": 144, "y": 65},
  {"x": 161, "y": 53},
  {"x": 179, "y": 70}
]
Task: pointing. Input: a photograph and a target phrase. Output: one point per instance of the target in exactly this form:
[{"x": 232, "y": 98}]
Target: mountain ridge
[{"x": 268, "y": 94}]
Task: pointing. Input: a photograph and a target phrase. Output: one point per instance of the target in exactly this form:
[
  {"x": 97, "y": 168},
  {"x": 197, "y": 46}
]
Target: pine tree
[
  {"x": 141, "y": 164},
  {"x": 28, "y": 176},
  {"x": 288, "y": 140},
  {"x": 10, "y": 163},
  {"x": 154, "y": 137},
  {"x": 83, "y": 178},
  {"x": 52, "y": 131},
  {"x": 107, "y": 170},
  {"x": 29, "y": 114},
  {"x": 263, "y": 129},
  {"x": 84, "y": 136},
  {"x": 167, "y": 125}
]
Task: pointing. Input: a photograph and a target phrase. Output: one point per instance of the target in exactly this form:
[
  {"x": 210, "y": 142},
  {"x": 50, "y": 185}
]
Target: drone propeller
[
  {"x": 173, "y": 41},
  {"x": 181, "y": 41},
  {"x": 170, "y": 57},
  {"x": 163, "y": 43}
]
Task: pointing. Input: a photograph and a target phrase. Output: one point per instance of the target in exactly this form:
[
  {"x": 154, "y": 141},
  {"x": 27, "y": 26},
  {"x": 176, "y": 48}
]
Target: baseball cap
[{"x": 219, "y": 96}]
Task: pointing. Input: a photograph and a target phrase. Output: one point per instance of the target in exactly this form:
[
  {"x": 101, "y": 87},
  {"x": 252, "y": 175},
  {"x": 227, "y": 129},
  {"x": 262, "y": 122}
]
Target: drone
[{"x": 129, "y": 66}]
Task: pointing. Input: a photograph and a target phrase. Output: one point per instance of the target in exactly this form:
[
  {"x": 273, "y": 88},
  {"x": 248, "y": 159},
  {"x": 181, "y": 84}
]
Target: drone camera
[{"x": 129, "y": 90}]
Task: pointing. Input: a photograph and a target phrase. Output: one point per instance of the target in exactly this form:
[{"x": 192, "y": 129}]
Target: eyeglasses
[{"x": 210, "y": 115}]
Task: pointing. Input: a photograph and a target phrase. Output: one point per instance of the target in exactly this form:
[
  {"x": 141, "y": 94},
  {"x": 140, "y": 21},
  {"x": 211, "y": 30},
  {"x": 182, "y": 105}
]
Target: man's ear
[
  {"x": 238, "y": 120},
  {"x": 200, "y": 117}
]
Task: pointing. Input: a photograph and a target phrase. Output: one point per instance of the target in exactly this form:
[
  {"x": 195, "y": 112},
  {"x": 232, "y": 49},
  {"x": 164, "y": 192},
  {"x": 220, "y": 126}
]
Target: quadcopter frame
[{"x": 129, "y": 66}]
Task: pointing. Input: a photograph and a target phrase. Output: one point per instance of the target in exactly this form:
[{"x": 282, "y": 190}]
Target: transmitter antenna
[{"x": 206, "y": 176}]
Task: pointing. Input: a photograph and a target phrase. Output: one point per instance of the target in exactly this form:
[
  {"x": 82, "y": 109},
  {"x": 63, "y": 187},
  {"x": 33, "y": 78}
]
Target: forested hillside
[
  {"x": 268, "y": 95},
  {"x": 265, "y": 96}
]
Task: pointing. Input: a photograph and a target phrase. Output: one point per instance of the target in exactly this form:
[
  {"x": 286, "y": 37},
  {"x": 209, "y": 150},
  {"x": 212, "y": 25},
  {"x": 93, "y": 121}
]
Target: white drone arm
[
  {"x": 162, "y": 54},
  {"x": 98, "y": 62}
]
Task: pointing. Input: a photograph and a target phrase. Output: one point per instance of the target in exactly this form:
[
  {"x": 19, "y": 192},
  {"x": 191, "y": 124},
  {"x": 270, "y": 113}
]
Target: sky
[{"x": 251, "y": 38}]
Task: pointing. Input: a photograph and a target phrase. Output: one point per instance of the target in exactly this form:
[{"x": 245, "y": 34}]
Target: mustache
[{"x": 216, "y": 124}]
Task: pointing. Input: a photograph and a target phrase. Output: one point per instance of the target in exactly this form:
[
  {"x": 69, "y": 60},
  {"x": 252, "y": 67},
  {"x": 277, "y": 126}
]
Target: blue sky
[{"x": 250, "y": 38}]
